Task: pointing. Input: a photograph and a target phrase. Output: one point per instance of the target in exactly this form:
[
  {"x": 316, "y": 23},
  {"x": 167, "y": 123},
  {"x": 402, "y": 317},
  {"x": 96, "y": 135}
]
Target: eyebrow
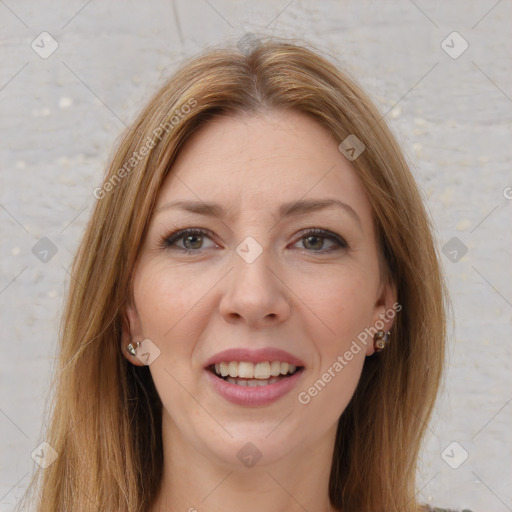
[{"x": 286, "y": 210}]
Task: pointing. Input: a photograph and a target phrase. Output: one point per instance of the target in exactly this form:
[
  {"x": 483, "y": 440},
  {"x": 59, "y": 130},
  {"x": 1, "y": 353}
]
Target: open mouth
[{"x": 243, "y": 373}]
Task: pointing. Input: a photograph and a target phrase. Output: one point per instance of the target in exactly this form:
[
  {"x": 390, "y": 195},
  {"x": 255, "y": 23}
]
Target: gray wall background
[{"x": 450, "y": 107}]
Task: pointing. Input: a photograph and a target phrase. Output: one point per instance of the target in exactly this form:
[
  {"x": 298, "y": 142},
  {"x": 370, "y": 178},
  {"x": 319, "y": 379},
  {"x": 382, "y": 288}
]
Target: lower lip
[{"x": 255, "y": 396}]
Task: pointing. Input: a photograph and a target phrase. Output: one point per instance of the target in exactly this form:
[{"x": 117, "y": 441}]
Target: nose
[{"x": 255, "y": 293}]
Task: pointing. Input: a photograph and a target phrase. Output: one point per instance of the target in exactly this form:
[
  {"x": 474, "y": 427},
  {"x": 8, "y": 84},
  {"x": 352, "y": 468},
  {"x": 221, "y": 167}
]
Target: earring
[
  {"x": 133, "y": 349},
  {"x": 380, "y": 340}
]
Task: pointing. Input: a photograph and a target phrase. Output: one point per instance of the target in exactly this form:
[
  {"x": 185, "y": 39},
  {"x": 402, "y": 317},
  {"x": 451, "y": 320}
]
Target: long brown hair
[{"x": 106, "y": 414}]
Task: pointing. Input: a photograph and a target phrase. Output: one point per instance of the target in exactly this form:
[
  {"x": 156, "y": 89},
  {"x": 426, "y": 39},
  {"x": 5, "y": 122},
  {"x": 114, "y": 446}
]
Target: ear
[
  {"x": 385, "y": 310},
  {"x": 131, "y": 332}
]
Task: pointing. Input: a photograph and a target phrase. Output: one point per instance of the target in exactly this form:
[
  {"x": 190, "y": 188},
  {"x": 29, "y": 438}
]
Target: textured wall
[{"x": 450, "y": 106}]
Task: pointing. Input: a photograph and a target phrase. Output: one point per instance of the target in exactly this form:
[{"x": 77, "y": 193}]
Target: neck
[{"x": 194, "y": 480}]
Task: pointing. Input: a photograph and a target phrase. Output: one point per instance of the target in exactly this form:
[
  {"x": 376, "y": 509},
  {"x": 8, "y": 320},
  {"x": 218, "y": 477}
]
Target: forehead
[{"x": 261, "y": 162}]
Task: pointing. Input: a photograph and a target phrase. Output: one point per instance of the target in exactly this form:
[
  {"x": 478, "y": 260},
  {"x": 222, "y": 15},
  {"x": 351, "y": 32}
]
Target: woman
[{"x": 256, "y": 318}]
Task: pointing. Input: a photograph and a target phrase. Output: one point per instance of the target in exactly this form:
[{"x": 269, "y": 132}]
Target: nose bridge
[
  {"x": 252, "y": 259},
  {"x": 253, "y": 290}
]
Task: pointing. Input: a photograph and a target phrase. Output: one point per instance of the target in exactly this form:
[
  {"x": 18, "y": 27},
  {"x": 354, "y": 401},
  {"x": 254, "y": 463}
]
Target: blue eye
[{"x": 194, "y": 237}]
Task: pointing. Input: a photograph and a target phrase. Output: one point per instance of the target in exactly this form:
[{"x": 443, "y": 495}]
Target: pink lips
[
  {"x": 258, "y": 395},
  {"x": 254, "y": 356}
]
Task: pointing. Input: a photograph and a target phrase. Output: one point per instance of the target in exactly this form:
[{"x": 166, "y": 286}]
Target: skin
[{"x": 310, "y": 297}]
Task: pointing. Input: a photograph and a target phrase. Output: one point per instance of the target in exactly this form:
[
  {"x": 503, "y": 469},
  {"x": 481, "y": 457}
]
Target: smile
[
  {"x": 266, "y": 385},
  {"x": 245, "y": 373},
  {"x": 253, "y": 377}
]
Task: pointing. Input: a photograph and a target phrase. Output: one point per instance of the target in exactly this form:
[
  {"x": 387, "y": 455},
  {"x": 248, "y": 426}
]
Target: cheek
[
  {"x": 345, "y": 309},
  {"x": 165, "y": 300},
  {"x": 328, "y": 391},
  {"x": 344, "y": 303},
  {"x": 167, "y": 303}
]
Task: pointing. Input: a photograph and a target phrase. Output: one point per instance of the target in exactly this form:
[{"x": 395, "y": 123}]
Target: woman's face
[{"x": 253, "y": 279}]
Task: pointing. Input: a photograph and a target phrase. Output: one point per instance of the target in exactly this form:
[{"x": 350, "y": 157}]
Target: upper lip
[{"x": 254, "y": 356}]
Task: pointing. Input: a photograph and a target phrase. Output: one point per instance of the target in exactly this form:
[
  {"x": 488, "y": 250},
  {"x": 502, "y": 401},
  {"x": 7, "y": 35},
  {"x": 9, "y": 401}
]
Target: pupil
[
  {"x": 191, "y": 237},
  {"x": 313, "y": 238}
]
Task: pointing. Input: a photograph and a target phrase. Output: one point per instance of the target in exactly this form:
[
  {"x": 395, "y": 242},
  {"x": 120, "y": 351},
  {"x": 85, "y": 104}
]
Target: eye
[
  {"x": 191, "y": 240},
  {"x": 314, "y": 238}
]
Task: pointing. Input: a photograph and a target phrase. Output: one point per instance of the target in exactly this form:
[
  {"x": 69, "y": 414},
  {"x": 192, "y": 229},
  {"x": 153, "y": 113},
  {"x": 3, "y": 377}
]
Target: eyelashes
[{"x": 169, "y": 242}]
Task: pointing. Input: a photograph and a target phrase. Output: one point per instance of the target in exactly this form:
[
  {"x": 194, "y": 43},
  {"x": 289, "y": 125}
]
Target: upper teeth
[{"x": 246, "y": 370}]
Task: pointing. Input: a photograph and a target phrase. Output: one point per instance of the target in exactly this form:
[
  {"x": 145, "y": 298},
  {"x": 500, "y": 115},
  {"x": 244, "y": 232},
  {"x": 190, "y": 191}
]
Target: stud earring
[
  {"x": 380, "y": 340},
  {"x": 131, "y": 349}
]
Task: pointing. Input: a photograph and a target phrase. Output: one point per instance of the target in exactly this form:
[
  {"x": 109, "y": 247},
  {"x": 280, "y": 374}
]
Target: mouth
[{"x": 248, "y": 374}]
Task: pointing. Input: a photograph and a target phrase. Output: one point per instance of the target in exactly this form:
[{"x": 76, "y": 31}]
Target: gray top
[{"x": 437, "y": 509}]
